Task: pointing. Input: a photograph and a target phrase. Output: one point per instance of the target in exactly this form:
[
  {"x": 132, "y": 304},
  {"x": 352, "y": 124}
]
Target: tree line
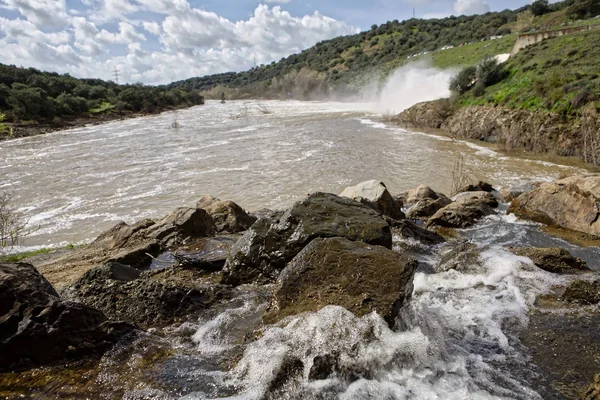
[{"x": 28, "y": 94}]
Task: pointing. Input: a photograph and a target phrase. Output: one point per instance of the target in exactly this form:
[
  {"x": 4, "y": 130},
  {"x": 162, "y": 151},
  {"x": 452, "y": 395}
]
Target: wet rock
[
  {"x": 207, "y": 254},
  {"x": 421, "y": 192},
  {"x": 180, "y": 224},
  {"x": 554, "y": 260},
  {"x": 478, "y": 187},
  {"x": 572, "y": 203},
  {"x": 328, "y": 365},
  {"x": 336, "y": 271},
  {"x": 227, "y": 215},
  {"x": 461, "y": 256},
  {"x": 423, "y": 209},
  {"x": 157, "y": 298},
  {"x": 476, "y": 197},
  {"x": 291, "y": 368},
  {"x": 269, "y": 245},
  {"x": 583, "y": 292},
  {"x": 512, "y": 192},
  {"x": 38, "y": 328},
  {"x": 375, "y": 195},
  {"x": 460, "y": 215},
  {"x": 409, "y": 230}
]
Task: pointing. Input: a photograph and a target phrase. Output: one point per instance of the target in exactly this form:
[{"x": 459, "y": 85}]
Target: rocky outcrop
[
  {"x": 430, "y": 114},
  {"x": 375, "y": 195},
  {"x": 554, "y": 260},
  {"x": 227, "y": 215},
  {"x": 38, "y": 328},
  {"x": 572, "y": 203},
  {"x": 336, "y": 271},
  {"x": 513, "y": 129},
  {"x": 153, "y": 298},
  {"x": 268, "y": 245}
]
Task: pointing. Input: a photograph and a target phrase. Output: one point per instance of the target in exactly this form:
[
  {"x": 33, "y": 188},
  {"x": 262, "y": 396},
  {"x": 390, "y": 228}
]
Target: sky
[{"x": 159, "y": 41}]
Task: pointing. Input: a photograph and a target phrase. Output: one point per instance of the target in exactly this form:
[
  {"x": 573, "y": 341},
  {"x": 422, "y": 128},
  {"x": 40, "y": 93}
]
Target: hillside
[
  {"x": 342, "y": 66},
  {"x": 32, "y": 100}
]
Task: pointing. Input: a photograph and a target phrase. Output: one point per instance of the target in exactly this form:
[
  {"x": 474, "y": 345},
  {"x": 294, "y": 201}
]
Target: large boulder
[
  {"x": 227, "y": 215},
  {"x": 423, "y": 209},
  {"x": 555, "y": 260},
  {"x": 476, "y": 187},
  {"x": 151, "y": 299},
  {"x": 409, "y": 230},
  {"x": 421, "y": 192},
  {"x": 572, "y": 203},
  {"x": 476, "y": 197},
  {"x": 375, "y": 195},
  {"x": 269, "y": 245},
  {"x": 38, "y": 328},
  {"x": 510, "y": 193},
  {"x": 460, "y": 214},
  {"x": 336, "y": 271}
]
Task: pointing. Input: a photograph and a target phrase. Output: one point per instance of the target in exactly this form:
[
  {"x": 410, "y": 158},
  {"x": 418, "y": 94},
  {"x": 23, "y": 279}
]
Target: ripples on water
[{"x": 75, "y": 184}]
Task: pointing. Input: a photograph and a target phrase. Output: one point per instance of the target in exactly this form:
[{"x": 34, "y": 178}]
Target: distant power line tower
[{"x": 116, "y": 75}]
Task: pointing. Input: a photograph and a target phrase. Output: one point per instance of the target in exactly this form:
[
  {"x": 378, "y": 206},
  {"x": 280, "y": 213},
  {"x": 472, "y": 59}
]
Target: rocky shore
[
  {"x": 511, "y": 129},
  {"x": 359, "y": 250}
]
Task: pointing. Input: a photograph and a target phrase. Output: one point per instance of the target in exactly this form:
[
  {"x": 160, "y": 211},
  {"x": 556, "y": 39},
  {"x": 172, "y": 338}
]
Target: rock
[
  {"x": 425, "y": 208},
  {"x": 207, "y": 254},
  {"x": 470, "y": 197},
  {"x": 512, "y": 192},
  {"x": 461, "y": 256},
  {"x": 227, "y": 215},
  {"x": 479, "y": 187},
  {"x": 157, "y": 298},
  {"x": 38, "y": 328},
  {"x": 430, "y": 114},
  {"x": 572, "y": 203},
  {"x": 421, "y": 192},
  {"x": 554, "y": 260},
  {"x": 291, "y": 368},
  {"x": 584, "y": 292},
  {"x": 459, "y": 215},
  {"x": 336, "y": 271},
  {"x": 409, "y": 230},
  {"x": 375, "y": 195},
  {"x": 326, "y": 365},
  {"x": 269, "y": 245},
  {"x": 593, "y": 392},
  {"x": 182, "y": 223}
]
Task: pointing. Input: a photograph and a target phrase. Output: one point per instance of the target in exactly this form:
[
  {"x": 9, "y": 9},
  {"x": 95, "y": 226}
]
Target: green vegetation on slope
[
  {"x": 560, "y": 75},
  {"x": 345, "y": 64},
  {"x": 33, "y": 95}
]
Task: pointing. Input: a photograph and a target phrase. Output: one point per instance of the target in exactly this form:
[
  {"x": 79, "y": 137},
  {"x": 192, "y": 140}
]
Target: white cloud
[
  {"x": 47, "y": 13},
  {"x": 183, "y": 41},
  {"x": 469, "y": 7},
  {"x": 277, "y": 1}
]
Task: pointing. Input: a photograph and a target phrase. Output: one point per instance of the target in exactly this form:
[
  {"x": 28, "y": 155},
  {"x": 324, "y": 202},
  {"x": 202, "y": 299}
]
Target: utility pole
[{"x": 116, "y": 74}]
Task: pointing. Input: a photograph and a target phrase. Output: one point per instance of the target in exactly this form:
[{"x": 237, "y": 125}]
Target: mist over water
[{"x": 411, "y": 84}]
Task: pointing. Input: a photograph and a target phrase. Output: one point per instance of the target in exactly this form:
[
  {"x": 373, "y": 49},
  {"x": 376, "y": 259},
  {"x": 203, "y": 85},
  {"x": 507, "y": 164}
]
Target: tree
[
  {"x": 540, "y": 7},
  {"x": 12, "y": 225}
]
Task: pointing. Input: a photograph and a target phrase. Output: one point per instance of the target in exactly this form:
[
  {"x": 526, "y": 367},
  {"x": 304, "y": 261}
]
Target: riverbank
[
  {"x": 511, "y": 130},
  {"x": 336, "y": 295}
]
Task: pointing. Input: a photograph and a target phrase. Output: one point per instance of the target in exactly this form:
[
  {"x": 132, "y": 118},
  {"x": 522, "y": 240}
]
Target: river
[{"x": 72, "y": 185}]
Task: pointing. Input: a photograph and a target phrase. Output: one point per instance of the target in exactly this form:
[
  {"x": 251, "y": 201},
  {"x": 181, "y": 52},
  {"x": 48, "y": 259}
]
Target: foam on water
[{"x": 457, "y": 337}]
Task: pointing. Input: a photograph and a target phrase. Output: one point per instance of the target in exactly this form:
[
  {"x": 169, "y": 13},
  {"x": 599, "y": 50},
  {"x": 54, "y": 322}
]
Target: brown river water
[{"x": 74, "y": 184}]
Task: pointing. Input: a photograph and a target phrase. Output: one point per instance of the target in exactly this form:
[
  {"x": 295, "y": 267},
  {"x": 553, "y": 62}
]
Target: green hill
[{"x": 343, "y": 65}]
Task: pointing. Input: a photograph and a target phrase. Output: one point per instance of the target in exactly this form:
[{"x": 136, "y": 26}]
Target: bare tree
[
  {"x": 12, "y": 224},
  {"x": 460, "y": 175}
]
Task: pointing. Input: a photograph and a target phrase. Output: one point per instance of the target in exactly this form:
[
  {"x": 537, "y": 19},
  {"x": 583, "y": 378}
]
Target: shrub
[
  {"x": 12, "y": 226},
  {"x": 464, "y": 81}
]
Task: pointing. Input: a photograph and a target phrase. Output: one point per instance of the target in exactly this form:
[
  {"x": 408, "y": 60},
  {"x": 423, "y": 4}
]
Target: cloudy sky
[{"x": 158, "y": 41}]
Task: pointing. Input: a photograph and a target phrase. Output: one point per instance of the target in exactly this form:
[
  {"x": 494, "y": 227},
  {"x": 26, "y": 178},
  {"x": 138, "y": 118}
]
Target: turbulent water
[
  {"x": 72, "y": 185},
  {"x": 458, "y": 336}
]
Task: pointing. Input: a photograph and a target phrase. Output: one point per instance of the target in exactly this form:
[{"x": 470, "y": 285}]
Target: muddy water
[{"x": 74, "y": 184}]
